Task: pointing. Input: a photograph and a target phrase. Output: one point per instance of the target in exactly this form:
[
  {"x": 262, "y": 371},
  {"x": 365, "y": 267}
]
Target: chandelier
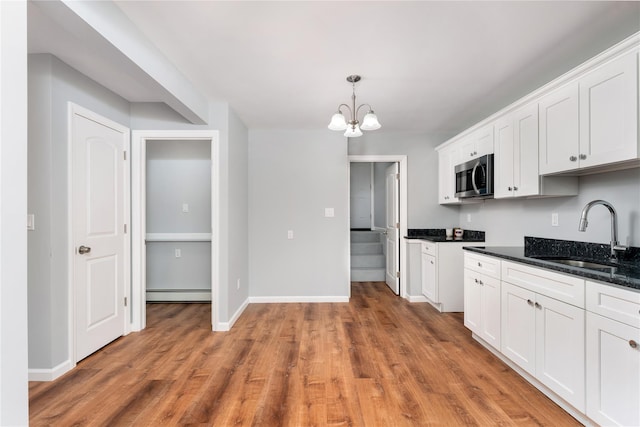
[{"x": 353, "y": 128}]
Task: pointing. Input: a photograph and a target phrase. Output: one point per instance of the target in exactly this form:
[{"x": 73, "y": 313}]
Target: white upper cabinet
[
  {"x": 516, "y": 159},
  {"x": 525, "y": 162},
  {"x": 448, "y": 158},
  {"x": 609, "y": 113},
  {"x": 504, "y": 158},
  {"x": 591, "y": 121},
  {"x": 586, "y": 121},
  {"x": 559, "y": 131},
  {"x": 477, "y": 144}
]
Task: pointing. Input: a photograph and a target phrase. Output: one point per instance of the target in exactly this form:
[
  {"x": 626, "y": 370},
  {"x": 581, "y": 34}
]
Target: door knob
[{"x": 84, "y": 250}]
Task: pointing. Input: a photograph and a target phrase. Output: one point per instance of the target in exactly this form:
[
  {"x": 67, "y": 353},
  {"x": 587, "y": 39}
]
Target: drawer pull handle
[
  {"x": 633, "y": 344},
  {"x": 529, "y": 302}
]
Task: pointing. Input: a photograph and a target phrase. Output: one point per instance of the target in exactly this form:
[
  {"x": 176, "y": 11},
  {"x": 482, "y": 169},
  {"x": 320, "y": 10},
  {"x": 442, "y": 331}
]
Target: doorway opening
[
  {"x": 175, "y": 220},
  {"x": 378, "y": 219}
]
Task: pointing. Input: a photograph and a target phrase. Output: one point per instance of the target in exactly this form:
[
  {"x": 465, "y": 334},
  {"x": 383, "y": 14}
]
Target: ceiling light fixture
[{"x": 353, "y": 128}]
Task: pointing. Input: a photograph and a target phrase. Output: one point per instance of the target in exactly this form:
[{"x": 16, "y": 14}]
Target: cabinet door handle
[
  {"x": 529, "y": 302},
  {"x": 480, "y": 282},
  {"x": 538, "y": 305},
  {"x": 479, "y": 265},
  {"x": 583, "y": 156},
  {"x": 573, "y": 158},
  {"x": 431, "y": 262},
  {"x": 476, "y": 280},
  {"x": 515, "y": 188},
  {"x": 509, "y": 188},
  {"x": 633, "y": 344}
]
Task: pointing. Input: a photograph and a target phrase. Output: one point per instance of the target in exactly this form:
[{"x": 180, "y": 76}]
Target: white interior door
[
  {"x": 393, "y": 228},
  {"x": 98, "y": 207},
  {"x": 360, "y": 195}
]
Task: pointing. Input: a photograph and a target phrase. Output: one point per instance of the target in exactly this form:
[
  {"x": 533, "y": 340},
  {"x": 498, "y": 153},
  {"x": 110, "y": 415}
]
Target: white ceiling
[{"x": 434, "y": 67}]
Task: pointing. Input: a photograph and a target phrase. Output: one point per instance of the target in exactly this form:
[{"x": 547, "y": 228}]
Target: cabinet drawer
[
  {"x": 482, "y": 264},
  {"x": 565, "y": 288},
  {"x": 614, "y": 303},
  {"x": 429, "y": 248}
]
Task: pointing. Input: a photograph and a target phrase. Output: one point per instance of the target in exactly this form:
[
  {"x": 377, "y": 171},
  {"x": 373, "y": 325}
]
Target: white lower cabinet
[
  {"x": 482, "y": 306},
  {"x": 442, "y": 277},
  {"x": 545, "y": 337},
  {"x": 613, "y": 355},
  {"x": 482, "y": 297},
  {"x": 429, "y": 277}
]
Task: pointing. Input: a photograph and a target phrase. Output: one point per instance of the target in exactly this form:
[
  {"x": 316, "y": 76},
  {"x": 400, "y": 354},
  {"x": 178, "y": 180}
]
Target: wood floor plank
[{"x": 377, "y": 360}]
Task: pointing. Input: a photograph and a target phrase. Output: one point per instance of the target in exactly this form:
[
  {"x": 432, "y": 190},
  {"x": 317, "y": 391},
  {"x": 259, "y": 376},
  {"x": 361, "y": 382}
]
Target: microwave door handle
[{"x": 473, "y": 178}]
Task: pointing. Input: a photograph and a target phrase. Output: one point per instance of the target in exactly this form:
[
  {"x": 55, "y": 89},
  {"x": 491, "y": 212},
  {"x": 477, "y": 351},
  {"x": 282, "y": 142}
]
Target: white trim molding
[
  {"x": 291, "y": 299},
  {"x": 226, "y": 326},
  {"x": 416, "y": 298},
  {"x": 401, "y": 159},
  {"x": 178, "y": 295},
  {"x": 138, "y": 217},
  {"x": 178, "y": 237},
  {"x": 51, "y": 374}
]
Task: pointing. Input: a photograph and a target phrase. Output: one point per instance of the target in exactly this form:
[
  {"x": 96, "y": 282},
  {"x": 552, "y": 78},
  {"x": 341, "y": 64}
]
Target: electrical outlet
[
  {"x": 468, "y": 217},
  {"x": 554, "y": 219},
  {"x": 178, "y": 253},
  {"x": 290, "y": 234},
  {"x": 238, "y": 284},
  {"x": 185, "y": 207}
]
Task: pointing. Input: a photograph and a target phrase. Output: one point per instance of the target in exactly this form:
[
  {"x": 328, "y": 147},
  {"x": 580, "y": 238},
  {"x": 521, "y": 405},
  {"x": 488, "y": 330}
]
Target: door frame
[
  {"x": 402, "y": 165},
  {"x": 140, "y": 138},
  {"x": 73, "y": 109}
]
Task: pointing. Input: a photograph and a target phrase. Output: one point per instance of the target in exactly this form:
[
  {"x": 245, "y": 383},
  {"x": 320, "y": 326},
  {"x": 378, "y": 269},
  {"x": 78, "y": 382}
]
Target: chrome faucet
[{"x": 615, "y": 246}]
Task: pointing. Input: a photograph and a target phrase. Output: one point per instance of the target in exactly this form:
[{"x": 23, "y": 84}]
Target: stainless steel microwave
[{"x": 475, "y": 178}]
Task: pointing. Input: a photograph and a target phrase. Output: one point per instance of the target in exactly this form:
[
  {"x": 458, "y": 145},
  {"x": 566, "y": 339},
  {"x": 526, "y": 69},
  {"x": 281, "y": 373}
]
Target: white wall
[
  {"x": 506, "y": 222},
  {"x": 423, "y": 210},
  {"x": 293, "y": 177},
  {"x": 13, "y": 204},
  {"x": 52, "y": 84}
]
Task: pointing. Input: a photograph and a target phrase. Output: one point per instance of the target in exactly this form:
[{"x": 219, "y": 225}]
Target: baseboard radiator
[{"x": 178, "y": 295}]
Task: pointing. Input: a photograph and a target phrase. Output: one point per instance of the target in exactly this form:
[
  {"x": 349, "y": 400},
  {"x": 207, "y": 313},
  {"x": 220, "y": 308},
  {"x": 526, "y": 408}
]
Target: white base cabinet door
[
  {"x": 482, "y": 306},
  {"x": 613, "y": 372},
  {"x": 429, "y": 288},
  {"x": 560, "y": 353},
  {"x": 519, "y": 326},
  {"x": 545, "y": 337}
]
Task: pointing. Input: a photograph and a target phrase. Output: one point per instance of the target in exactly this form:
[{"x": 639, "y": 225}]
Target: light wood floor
[{"x": 376, "y": 361}]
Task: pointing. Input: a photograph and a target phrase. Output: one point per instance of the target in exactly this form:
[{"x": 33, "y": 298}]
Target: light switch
[
  {"x": 185, "y": 207},
  {"x": 178, "y": 253},
  {"x": 31, "y": 222},
  {"x": 554, "y": 219},
  {"x": 329, "y": 212},
  {"x": 290, "y": 234}
]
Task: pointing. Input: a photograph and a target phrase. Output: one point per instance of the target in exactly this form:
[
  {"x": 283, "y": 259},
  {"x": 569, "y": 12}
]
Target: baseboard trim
[
  {"x": 288, "y": 299},
  {"x": 50, "y": 374},
  {"x": 175, "y": 295},
  {"x": 417, "y": 298},
  {"x": 226, "y": 326}
]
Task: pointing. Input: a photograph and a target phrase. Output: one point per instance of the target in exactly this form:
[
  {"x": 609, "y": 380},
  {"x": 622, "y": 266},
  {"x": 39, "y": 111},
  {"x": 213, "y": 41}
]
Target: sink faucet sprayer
[{"x": 615, "y": 246}]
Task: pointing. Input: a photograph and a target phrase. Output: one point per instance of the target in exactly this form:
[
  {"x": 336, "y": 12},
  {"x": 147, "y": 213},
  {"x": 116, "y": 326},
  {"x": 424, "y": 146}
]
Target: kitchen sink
[{"x": 579, "y": 263}]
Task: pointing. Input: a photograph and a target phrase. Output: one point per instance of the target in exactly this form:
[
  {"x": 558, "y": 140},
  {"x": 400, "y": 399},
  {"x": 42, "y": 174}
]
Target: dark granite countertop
[
  {"x": 438, "y": 235},
  {"x": 627, "y": 272}
]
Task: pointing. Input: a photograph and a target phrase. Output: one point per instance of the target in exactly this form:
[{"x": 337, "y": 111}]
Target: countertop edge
[{"x": 631, "y": 284}]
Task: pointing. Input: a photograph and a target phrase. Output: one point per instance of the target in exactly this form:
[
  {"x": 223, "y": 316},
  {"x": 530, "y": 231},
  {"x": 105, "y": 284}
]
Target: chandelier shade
[{"x": 353, "y": 127}]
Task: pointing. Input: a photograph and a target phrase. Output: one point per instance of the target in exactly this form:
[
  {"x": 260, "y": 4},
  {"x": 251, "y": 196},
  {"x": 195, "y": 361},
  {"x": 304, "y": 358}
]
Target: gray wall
[
  {"x": 423, "y": 210},
  {"x": 380, "y": 194},
  {"x": 178, "y": 172},
  {"x": 506, "y": 222},
  {"x": 293, "y": 177},
  {"x": 52, "y": 84}
]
